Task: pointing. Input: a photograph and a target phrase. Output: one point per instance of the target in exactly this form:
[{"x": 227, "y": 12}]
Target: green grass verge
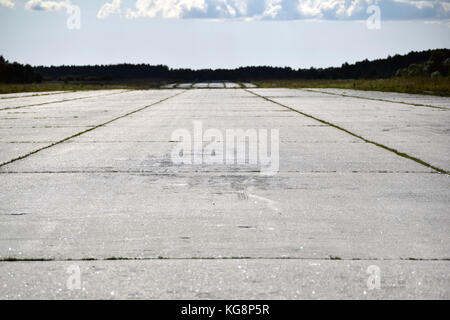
[{"x": 422, "y": 85}]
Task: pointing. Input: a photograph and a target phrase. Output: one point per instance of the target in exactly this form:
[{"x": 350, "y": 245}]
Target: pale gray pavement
[
  {"x": 31, "y": 101},
  {"x": 29, "y": 94},
  {"x": 218, "y": 84},
  {"x": 338, "y": 205},
  {"x": 415, "y": 99}
]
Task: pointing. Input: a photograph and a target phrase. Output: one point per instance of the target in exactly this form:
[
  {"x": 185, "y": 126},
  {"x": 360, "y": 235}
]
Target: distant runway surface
[{"x": 88, "y": 181}]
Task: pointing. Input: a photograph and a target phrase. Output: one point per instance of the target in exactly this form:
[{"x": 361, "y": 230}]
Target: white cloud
[
  {"x": 420, "y": 4},
  {"x": 7, "y": 3},
  {"x": 39, "y": 5},
  {"x": 108, "y": 9},
  {"x": 241, "y": 6},
  {"x": 225, "y": 8},
  {"x": 332, "y": 9},
  {"x": 390, "y": 9},
  {"x": 279, "y": 9},
  {"x": 310, "y": 9},
  {"x": 273, "y": 7},
  {"x": 165, "y": 8}
]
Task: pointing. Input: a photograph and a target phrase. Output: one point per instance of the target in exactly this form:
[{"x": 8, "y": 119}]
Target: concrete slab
[
  {"x": 211, "y": 215},
  {"x": 201, "y": 85},
  {"x": 169, "y": 86},
  {"x": 216, "y": 85},
  {"x": 418, "y": 131},
  {"x": 184, "y": 85},
  {"x": 27, "y": 128},
  {"x": 419, "y": 99},
  {"x": 231, "y": 85},
  {"x": 224, "y": 279},
  {"x": 11, "y": 150},
  {"x": 6, "y": 104},
  {"x": 28, "y": 94},
  {"x": 337, "y": 205}
]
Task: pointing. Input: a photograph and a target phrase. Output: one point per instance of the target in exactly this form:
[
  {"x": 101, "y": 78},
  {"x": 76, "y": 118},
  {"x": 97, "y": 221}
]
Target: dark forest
[{"x": 424, "y": 63}]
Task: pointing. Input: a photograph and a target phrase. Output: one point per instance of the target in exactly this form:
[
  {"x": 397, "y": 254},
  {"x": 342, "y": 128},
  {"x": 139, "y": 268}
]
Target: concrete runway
[{"x": 88, "y": 184}]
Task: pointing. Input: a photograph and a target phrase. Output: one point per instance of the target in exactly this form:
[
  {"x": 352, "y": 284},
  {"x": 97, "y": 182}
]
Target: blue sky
[{"x": 219, "y": 33}]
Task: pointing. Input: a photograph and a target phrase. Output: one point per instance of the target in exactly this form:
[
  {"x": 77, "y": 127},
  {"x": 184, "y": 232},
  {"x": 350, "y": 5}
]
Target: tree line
[
  {"x": 17, "y": 73},
  {"x": 437, "y": 65},
  {"x": 412, "y": 64}
]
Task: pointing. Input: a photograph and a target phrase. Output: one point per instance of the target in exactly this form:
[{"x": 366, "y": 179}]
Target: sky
[{"x": 219, "y": 33}]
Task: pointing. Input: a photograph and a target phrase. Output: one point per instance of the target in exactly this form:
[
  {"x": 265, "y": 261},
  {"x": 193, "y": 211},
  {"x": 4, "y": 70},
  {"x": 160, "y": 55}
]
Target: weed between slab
[
  {"x": 399, "y": 153},
  {"x": 60, "y": 101},
  {"x": 113, "y": 258},
  {"x": 87, "y": 130},
  {"x": 377, "y": 99}
]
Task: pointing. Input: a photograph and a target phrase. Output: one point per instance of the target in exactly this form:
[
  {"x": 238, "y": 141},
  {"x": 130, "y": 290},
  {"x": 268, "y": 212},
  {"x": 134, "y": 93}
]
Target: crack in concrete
[
  {"x": 88, "y": 130},
  {"x": 207, "y": 172},
  {"x": 329, "y": 258},
  {"x": 398, "y": 153}
]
